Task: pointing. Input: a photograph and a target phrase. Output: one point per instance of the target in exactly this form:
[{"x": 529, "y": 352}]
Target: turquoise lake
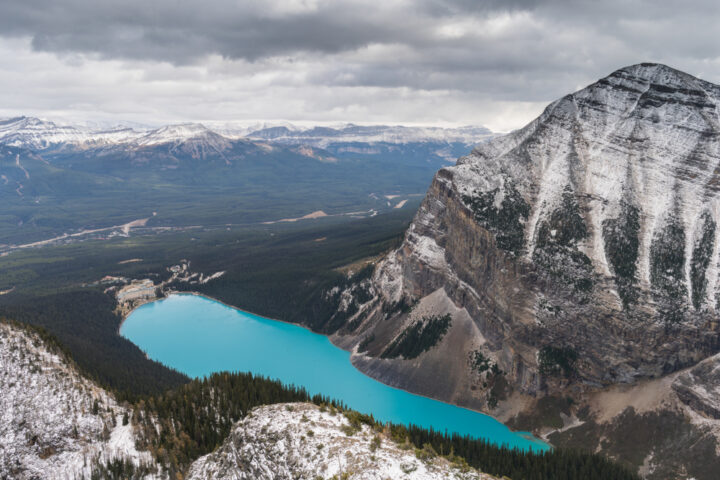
[{"x": 198, "y": 336}]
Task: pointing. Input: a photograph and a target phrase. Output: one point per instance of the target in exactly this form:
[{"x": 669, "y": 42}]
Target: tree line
[{"x": 196, "y": 418}]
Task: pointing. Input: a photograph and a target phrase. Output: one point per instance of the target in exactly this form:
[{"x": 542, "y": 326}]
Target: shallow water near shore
[{"x": 198, "y": 336}]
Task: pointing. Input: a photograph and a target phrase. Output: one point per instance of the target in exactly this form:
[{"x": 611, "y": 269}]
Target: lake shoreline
[
  {"x": 538, "y": 442},
  {"x": 126, "y": 314}
]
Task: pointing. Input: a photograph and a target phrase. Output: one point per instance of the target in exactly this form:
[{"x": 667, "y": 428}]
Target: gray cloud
[
  {"x": 184, "y": 31},
  {"x": 484, "y": 51}
]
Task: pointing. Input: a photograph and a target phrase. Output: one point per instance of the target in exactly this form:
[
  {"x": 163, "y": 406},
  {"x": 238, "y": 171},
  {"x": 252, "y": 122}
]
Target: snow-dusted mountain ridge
[
  {"x": 582, "y": 249},
  {"x": 36, "y": 134},
  {"x": 284, "y": 442},
  {"x": 648, "y": 137}
]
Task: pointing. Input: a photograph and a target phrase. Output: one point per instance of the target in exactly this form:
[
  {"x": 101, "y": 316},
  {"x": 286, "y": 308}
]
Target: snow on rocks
[
  {"x": 427, "y": 250},
  {"x": 388, "y": 278},
  {"x": 289, "y": 441},
  {"x": 54, "y": 423},
  {"x": 324, "y": 136},
  {"x": 647, "y": 135},
  {"x": 37, "y": 134}
]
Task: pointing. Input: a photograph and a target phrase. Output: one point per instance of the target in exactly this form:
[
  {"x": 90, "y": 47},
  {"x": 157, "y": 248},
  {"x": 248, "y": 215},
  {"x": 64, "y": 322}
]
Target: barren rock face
[
  {"x": 584, "y": 246},
  {"x": 699, "y": 388},
  {"x": 290, "y": 441}
]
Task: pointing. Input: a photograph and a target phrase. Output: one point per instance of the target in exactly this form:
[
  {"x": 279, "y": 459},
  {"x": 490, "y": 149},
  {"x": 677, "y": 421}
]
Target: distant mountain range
[
  {"x": 322, "y": 136},
  {"x": 37, "y": 134},
  {"x": 58, "y": 179}
]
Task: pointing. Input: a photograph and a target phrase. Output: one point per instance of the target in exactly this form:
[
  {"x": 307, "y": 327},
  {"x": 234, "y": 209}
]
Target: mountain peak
[
  {"x": 647, "y": 70},
  {"x": 177, "y": 133},
  {"x": 610, "y": 198},
  {"x": 24, "y": 122},
  {"x": 644, "y": 76},
  {"x": 36, "y": 133}
]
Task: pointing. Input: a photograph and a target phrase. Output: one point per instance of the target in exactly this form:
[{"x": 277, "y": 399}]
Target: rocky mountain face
[
  {"x": 574, "y": 254},
  {"x": 289, "y": 441},
  {"x": 54, "y": 423}
]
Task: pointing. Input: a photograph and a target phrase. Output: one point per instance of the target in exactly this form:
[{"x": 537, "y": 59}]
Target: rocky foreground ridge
[
  {"x": 302, "y": 440},
  {"x": 56, "y": 424},
  {"x": 576, "y": 254}
]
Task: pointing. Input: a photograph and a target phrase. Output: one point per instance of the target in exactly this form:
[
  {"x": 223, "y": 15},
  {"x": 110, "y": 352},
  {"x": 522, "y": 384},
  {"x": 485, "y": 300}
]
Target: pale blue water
[{"x": 198, "y": 336}]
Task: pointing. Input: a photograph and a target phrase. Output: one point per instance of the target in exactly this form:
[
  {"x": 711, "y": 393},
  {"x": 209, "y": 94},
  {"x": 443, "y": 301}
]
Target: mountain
[
  {"x": 36, "y": 134},
  {"x": 58, "y": 180},
  {"x": 181, "y": 133},
  {"x": 573, "y": 255},
  {"x": 54, "y": 423},
  {"x": 284, "y": 442},
  {"x": 400, "y": 143},
  {"x": 322, "y": 136}
]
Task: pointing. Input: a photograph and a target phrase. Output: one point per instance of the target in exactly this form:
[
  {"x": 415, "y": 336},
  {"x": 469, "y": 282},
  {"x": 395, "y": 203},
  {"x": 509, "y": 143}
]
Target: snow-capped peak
[
  {"x": 38, "y": 134},
  {"x": 176, "y": 133},
  {"x": 398, "y": 134}
]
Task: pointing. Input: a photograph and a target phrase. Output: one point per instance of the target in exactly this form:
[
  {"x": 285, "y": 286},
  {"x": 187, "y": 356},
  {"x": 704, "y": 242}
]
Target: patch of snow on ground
[
  {"x": 49, "y": 427},
  {"x": 289, "y": 441}
]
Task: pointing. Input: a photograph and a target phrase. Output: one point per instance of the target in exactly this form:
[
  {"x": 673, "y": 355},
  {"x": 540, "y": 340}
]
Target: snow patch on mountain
[
  {"x": 54, "y": 423},
  {"x": 321, "y": 137},
  {"x": 647, "y": 135},
  {"x": 37, "y": 134},
  {"x": 289, "y": 441}
]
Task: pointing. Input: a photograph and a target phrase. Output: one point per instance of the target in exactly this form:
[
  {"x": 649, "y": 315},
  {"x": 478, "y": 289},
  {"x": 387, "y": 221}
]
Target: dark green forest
[
  {"x": 198, "y": 416},
  {"x": 53, "y": 285},
  {"x": 419, "y": 337},
  {"x": 52, "y": 289},
  {"x": 86, "y": 326}
]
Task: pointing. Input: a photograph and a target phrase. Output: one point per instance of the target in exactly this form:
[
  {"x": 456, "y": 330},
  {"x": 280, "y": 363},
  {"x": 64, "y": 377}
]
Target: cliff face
[{"x": 582, "y": 248}]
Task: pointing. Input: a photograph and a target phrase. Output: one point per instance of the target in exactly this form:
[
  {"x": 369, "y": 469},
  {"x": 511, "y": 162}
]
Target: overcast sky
[{"x": 457, "y": 62}]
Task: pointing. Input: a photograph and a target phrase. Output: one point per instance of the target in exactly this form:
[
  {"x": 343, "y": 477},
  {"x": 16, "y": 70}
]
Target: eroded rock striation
[{"x": 579, "y": 251}]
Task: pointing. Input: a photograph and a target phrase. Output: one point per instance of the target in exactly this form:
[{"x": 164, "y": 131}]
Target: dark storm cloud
[
  {"x": 183, "y": 31},
  {"x": 503, "y": 50}
]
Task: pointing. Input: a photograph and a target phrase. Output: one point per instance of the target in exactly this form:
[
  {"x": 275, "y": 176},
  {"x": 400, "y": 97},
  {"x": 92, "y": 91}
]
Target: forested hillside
[{"x": 196, "y": 418}]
